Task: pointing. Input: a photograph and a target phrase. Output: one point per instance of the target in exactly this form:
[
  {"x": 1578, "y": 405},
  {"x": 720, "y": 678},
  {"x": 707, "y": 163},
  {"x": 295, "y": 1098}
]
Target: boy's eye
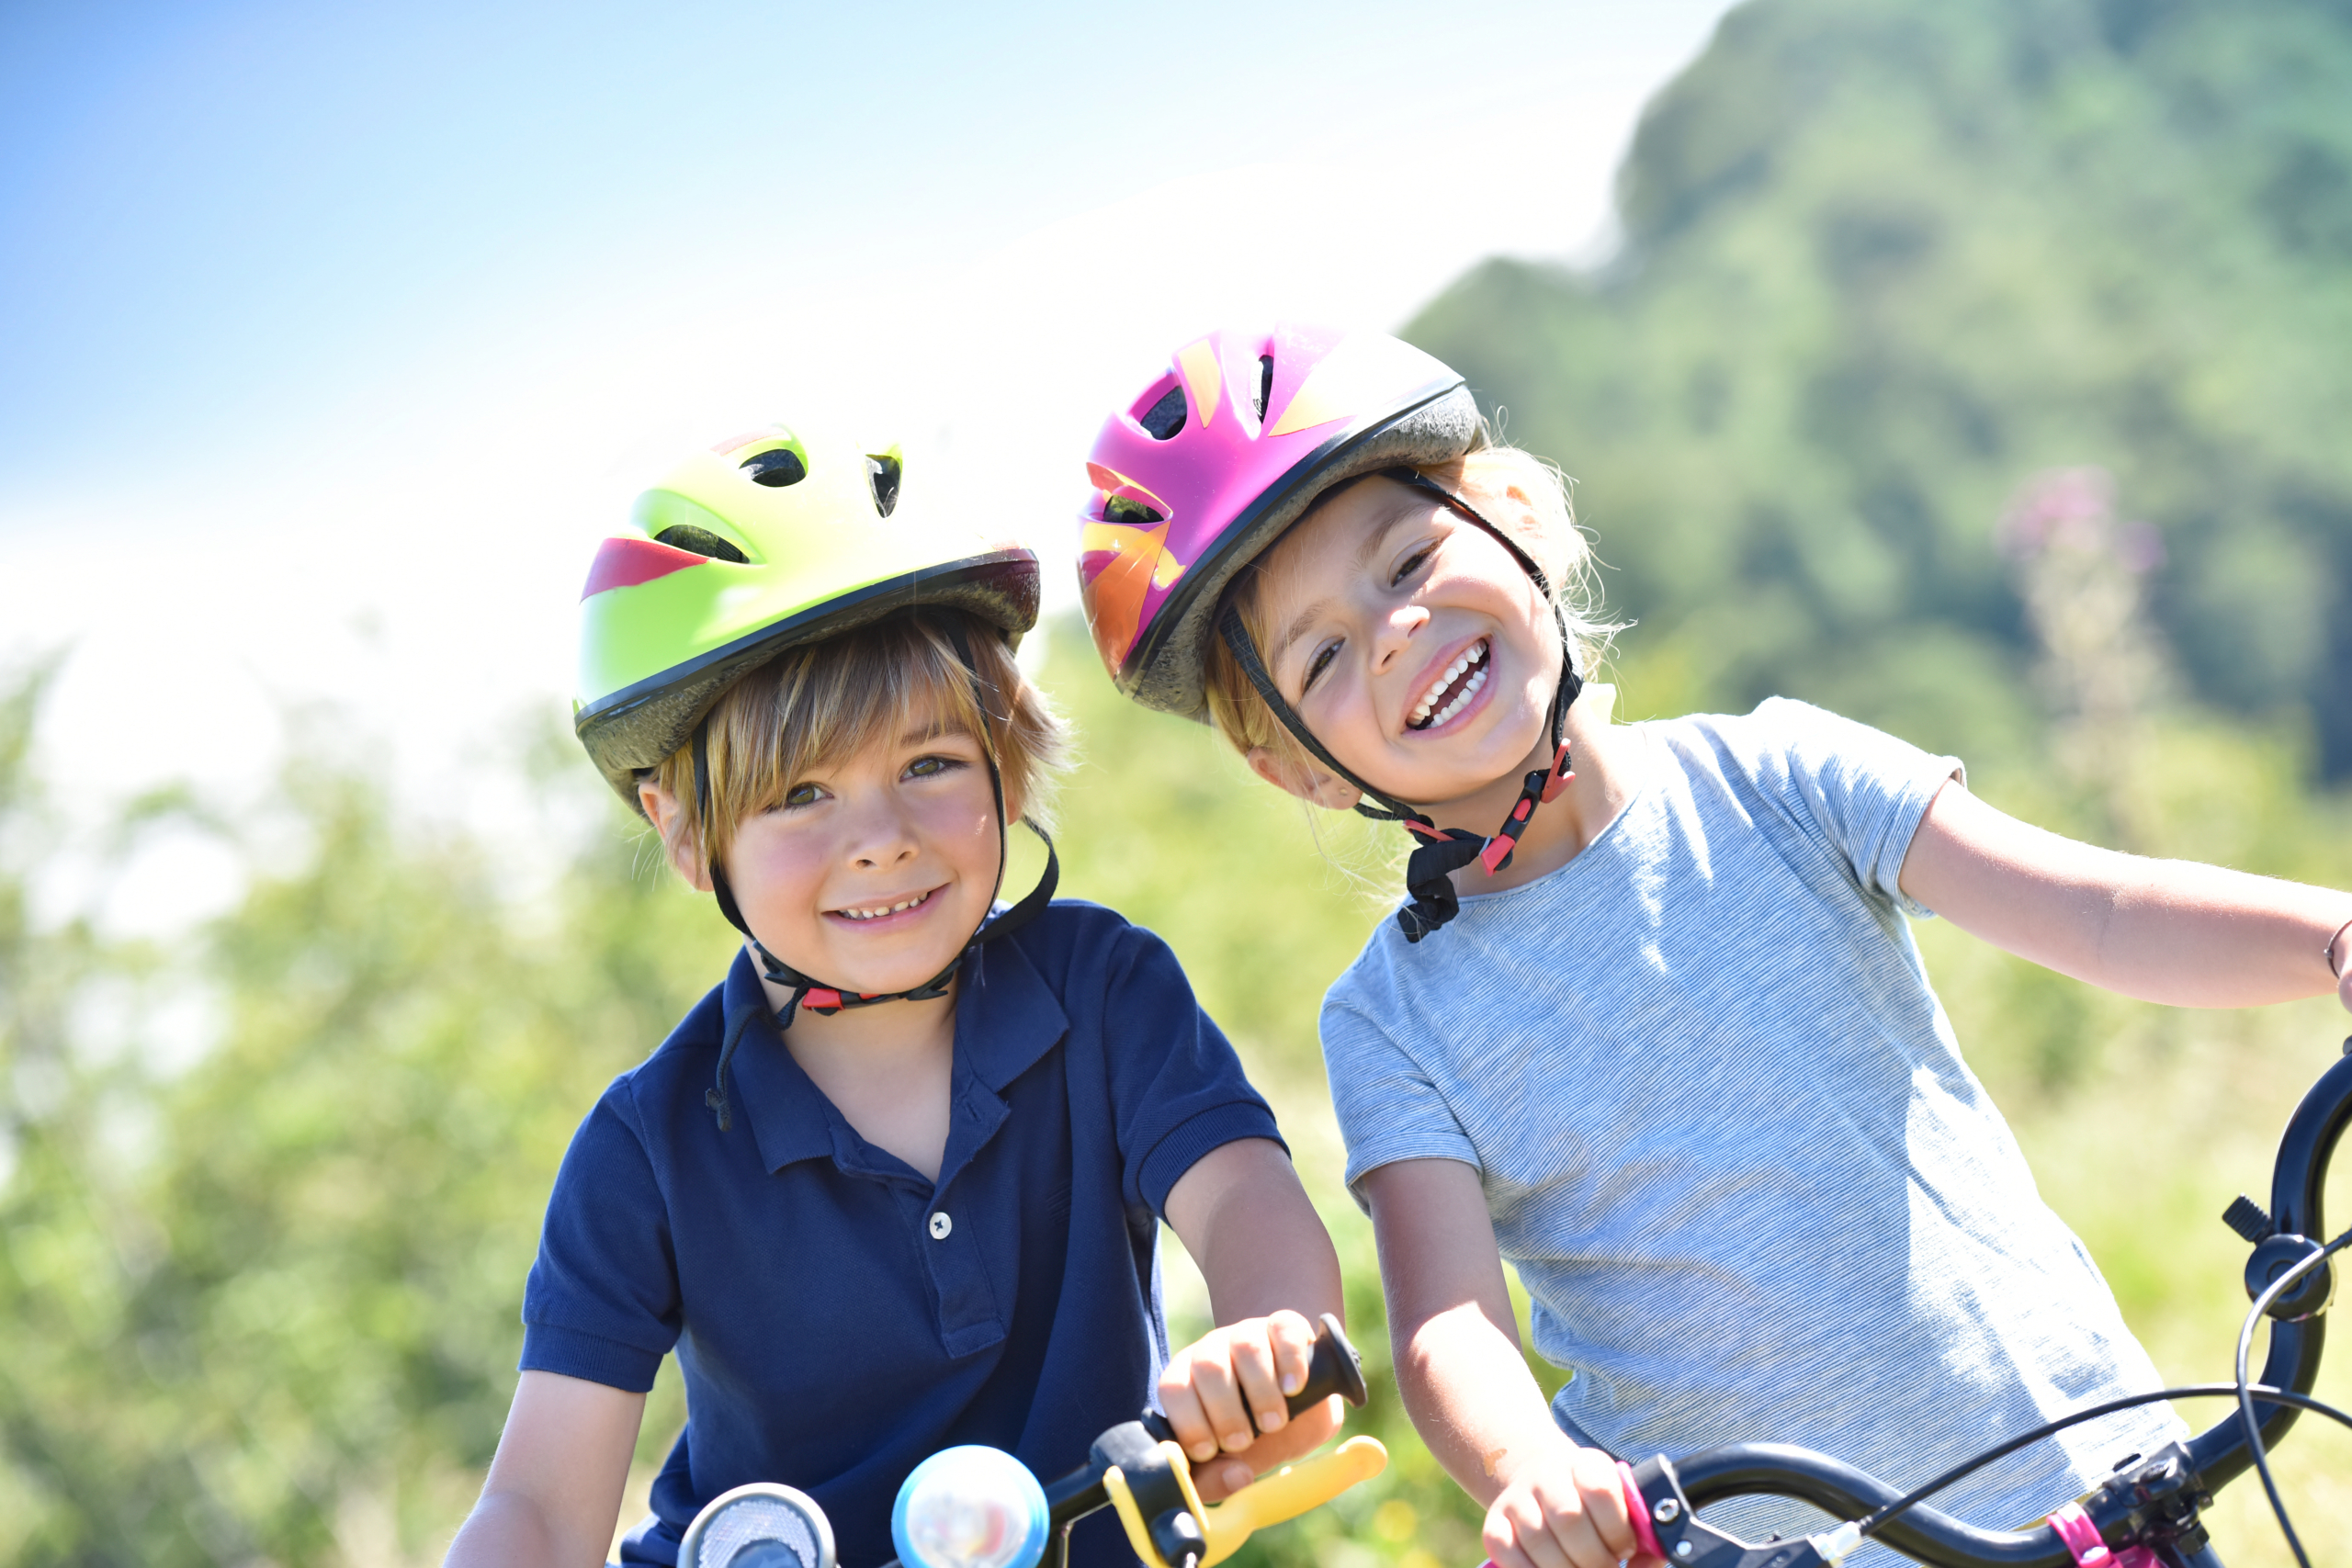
[
  {"x": 1412, "y": 563},
  {"x": 932, "y": 767}
]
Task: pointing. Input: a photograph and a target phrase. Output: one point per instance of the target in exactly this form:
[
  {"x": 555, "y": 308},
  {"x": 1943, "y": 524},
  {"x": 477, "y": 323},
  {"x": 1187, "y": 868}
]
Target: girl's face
[
  {"x": 875, "y": 868},
  {"x": 1414, "y": 646}
]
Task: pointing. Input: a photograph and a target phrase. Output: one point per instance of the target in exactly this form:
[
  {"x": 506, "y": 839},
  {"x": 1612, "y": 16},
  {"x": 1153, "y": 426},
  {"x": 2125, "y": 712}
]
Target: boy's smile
[{"x": 1413, "y": 645}]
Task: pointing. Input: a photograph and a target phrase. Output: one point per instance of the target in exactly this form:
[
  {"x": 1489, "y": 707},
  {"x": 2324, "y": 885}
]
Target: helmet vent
[
  {"x": 701, "y": 541},
  {"x": 1135, "y": 513},
  {"x": 1166, "y": 417},
  {"x": 1265, "y": 383},
  {"x": 777, "y": 468},
  {"x": 882, "y": 472}
]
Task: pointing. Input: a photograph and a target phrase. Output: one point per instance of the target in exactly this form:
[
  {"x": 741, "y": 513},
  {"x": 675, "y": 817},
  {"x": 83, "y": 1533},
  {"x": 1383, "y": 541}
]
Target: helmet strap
[
  {"x": 826, "y": 1001},
  {"x": 1429, "y": 872}
]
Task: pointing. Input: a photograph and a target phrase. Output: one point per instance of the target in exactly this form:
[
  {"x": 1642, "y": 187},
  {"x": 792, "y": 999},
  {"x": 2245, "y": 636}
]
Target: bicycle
[
  {"x": 2146, "y": 1516},
  {"x": 973, "y": 1507}
]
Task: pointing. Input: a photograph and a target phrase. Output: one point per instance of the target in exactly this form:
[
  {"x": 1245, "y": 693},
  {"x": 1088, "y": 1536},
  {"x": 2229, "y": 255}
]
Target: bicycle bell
[
  {"x": 759, "y": 1526},
  {"x": 970, "y": 1506}
]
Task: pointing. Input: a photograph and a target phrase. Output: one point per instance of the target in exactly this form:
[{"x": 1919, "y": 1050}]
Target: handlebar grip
[
  {"x": 1637, "y": 1509},
  {"x": 1335, "y": 1369},
  {"x": 1288, "y": 1492}
]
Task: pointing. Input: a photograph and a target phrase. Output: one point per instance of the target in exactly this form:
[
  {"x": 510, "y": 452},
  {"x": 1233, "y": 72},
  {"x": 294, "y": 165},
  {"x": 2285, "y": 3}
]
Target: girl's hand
[
  {"x": 1224, "y": 1394},
  {"x": 1563, "y": 1511}
]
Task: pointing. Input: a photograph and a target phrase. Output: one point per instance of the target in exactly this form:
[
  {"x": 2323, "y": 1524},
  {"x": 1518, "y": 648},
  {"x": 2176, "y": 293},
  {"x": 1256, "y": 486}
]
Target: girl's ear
[
  {"x": 667, "y": 815},
  {"x": 1310, "y": 785}
]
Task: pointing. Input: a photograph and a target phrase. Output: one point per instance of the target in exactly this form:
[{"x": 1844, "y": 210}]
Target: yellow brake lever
[{"x": 1288, "y": 1492}]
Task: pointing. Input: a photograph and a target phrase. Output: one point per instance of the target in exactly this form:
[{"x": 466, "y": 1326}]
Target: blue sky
[
  {"x": 334, "y": 335},
  {"x": 219, "y": 218}
]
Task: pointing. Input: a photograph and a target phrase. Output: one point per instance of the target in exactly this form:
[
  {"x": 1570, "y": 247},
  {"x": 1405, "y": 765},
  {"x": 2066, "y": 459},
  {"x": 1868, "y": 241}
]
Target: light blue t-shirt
[{"x": 1727, "y": 1138}]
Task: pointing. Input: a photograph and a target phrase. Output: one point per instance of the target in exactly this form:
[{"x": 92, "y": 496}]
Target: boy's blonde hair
[
  {"x": 1547, "y": 531},
  {"x": 835, "y": 697}
]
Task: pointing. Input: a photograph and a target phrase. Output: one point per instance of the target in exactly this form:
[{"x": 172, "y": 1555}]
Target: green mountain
[{"x": 1883, "y": 262}]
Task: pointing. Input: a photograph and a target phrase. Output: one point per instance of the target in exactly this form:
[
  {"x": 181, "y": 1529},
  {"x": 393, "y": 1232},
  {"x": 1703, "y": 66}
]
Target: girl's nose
[{"x": 1395, "y": 632}]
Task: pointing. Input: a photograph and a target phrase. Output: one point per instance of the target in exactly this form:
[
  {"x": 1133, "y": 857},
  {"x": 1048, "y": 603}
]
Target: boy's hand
[
  {"x": 1566, "y": 1510},
  {"x": 1224, "y": 1394}
]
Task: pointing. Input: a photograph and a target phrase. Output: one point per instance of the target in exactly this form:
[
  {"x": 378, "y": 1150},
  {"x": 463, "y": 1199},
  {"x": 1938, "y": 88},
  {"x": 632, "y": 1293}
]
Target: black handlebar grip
[{"x": 1335, "y": 1369}]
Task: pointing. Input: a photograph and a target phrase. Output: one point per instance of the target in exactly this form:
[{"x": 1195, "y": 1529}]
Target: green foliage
[
  {"x": 1882, "y": 263},
  {"x": 271, "y": 1303}
]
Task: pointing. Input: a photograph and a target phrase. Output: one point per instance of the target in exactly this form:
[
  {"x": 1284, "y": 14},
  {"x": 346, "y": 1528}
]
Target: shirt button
[{"x": 941, "y": 1224}]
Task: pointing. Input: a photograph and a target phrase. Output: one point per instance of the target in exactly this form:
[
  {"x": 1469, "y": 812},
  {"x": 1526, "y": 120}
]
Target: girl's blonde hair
[
  {"x": 835, "y": 697},
  {"x": 1545, "y": 529}
]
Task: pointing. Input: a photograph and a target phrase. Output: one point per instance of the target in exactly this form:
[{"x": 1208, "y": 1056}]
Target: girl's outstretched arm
[
  {"x": 1549, "y": 1502},
  {"x": 554, "y": 1490},
  {"x": 2164, "y": 930},
  {"x": 1270, "y": 1271}
]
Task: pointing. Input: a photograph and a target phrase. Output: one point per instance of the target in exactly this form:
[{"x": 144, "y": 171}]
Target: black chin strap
[
  {"x": 1429, "y": 872},
  {"x": 816, "y": 995}
]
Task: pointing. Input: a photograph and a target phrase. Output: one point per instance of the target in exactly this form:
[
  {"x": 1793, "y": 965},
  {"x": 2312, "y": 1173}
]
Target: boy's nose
[{"x": 880, "y": 837}]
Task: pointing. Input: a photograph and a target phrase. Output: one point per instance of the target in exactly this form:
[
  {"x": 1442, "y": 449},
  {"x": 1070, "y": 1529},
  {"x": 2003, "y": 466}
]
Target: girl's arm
[
  {"x": 1268, "y": 1261},
  {"x": 2164, "y": 930},
  {"x": 1549, "y": 1502},
  {"x": 554, "y": 1491}
]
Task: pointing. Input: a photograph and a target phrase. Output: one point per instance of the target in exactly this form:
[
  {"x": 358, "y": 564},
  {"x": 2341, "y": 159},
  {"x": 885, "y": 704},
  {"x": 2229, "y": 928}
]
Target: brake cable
[
  {"x": 2255, "y": 1314},
  {"x": 1870, "y": 1525}
]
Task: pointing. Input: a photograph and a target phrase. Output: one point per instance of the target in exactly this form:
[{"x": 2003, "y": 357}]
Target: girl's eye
[
  {"x": 1413, "y": 564},
  {"x": 1319, "y": 662},
  {"x": 802, "y": 794}
]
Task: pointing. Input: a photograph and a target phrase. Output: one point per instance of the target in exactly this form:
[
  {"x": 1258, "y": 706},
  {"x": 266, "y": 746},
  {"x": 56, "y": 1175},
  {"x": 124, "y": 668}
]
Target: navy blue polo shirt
[{"x": 837, "y": 1316}]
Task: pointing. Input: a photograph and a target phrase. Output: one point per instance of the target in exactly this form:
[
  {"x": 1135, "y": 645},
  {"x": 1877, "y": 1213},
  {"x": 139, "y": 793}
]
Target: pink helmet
[
  {"x": 1204, "y": 469},
  {"x": 1208, "y": 465}
]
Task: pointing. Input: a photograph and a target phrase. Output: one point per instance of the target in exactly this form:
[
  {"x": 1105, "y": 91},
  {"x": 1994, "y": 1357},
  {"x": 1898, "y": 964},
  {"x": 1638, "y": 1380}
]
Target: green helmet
[{"x": 766, "y": 541}]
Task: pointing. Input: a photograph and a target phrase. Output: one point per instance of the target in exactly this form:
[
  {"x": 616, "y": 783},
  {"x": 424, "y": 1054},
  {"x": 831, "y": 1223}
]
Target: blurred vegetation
[
  {"x": 1881, "y": 261},
  {"x": 1971, "y": 369}
]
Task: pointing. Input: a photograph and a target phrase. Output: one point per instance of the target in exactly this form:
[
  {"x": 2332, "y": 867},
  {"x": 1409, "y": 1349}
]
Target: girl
[
  {"x": 1651, "y": 1025},
  {"x": 881, "y": 1194}
]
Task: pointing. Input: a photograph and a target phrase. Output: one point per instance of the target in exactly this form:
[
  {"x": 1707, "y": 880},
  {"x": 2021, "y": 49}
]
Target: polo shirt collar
[{"x": 1007, "y": 1017}]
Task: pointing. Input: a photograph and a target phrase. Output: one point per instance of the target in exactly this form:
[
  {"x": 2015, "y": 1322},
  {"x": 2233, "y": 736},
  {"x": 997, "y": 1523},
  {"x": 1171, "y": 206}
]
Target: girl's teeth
[
  {"x": 1420, "y": 717},
  {"x": 877, "y": 914}
]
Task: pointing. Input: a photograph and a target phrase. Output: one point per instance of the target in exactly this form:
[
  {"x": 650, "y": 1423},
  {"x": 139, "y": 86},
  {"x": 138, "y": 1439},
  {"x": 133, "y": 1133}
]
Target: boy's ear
[
  {"x": 662, "y": 811},
  {"x": 1309, "y": 783}
]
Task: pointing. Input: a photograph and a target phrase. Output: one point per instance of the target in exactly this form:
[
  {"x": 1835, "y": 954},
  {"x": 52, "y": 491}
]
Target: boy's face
[
  {"x": 1411, "y": 642},
  {"x": 876, "y": 867}
]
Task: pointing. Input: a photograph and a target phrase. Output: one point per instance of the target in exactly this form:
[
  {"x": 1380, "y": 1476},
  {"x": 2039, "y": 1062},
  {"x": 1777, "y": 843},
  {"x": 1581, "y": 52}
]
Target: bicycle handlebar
[{"x": 2154, "y": 1503}]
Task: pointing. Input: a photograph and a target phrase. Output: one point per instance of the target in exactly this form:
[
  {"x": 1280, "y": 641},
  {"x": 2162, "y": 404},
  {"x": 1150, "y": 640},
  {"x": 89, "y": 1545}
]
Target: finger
[
  {"x": 1532, "y": 1531},
  {"x": 1293, "y": 1338},
  {"x": 1505, "y": 1553},
  {"x": 1191, "y": 1423},
  {"x": 1602, "y": 1486},
  {"x": 1570, "y": 1526},
  {"x": 1222, "y": 1479},
  {"x": 1581, "y": 1544},
  {"x": 1303, "y": 1435},
  {"x": 1253, "y": 1368},
  {"x": 1222, "y": 1405}
]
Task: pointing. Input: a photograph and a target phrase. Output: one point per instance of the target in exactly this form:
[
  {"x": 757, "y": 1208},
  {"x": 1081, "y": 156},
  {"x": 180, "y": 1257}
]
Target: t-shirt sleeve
[
  {"x": 1388, "y": 1108},
  {"x": 1178, "y": 1089},
  {"x": 1862, "y": 789},
  {"x": 601, "y": 1300}
]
